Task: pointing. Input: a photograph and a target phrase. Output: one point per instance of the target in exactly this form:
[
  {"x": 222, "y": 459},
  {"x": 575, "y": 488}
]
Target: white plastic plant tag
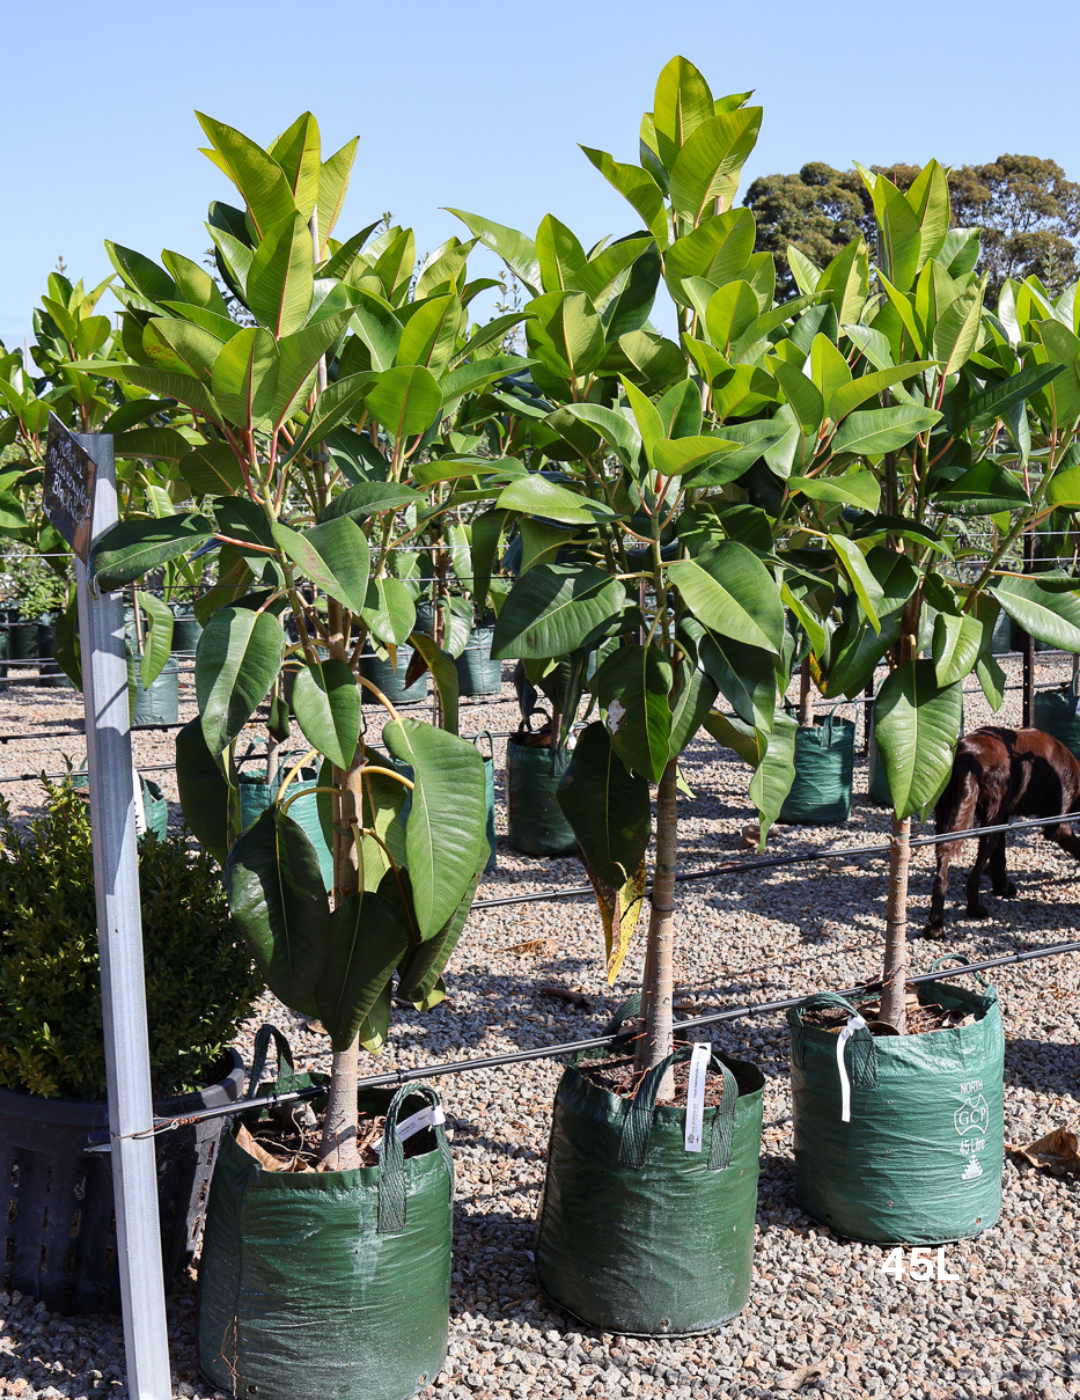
[
  {"x": 855, "y": 1024},
  {"x": 415, "y": 1123},
  {"x": 695, "y": 1096},
  {"x": 140, "y": 809}
]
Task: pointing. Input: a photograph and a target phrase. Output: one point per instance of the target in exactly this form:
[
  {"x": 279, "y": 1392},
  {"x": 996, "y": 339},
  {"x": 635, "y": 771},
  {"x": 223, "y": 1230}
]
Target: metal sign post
[{"x": 80, "y": 497}]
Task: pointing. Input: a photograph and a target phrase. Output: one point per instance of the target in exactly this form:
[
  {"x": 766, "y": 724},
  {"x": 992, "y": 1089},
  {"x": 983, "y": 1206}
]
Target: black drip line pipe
[{"x": 100, "y": 1140}]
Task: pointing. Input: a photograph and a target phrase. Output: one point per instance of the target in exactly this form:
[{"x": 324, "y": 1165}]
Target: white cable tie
[{"x": 855, "y": 1024}]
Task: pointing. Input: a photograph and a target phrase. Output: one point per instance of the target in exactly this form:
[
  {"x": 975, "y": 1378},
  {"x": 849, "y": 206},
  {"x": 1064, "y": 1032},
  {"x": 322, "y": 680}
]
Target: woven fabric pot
[
  {"x": 256, "y": 796},
  {"x": 158, "y": 703},
  {"x": 391, "y": 679},
  {"x": 920, "y": 1160},
  {"x": 1058, "y": 713},
  {"x": 58, "y": 1231},
  {"x": 477, "y": 673},
  {"x": 824, "y": 768},
  {"x": 328, "y": 1285},
  {"x": 489, "y": 793},
  {"x": 635, "y": 1234},
  {"x": 534, "y": 818},
  {"x": 23, "y": 641},
  {"x": 187, "y": 629}
]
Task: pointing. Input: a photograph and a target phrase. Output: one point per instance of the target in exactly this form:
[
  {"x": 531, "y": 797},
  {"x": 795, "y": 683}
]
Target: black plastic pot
[
  {"x": 534, "y": 818},
  {"x": 23, "y": 639},
  {"x": 52, "y": 675},
  {"x": 160, "y": 702},
  {"x": 58, "y": 1230},
  {"x": 329, "y": 1285}
]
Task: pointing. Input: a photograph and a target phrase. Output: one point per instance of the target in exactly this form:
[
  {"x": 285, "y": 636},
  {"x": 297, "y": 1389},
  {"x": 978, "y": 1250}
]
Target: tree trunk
[
  {"x": 806, "y": 696},
  {"x": 657, "y": 1041},
  {"x": 896, "y": 949}
]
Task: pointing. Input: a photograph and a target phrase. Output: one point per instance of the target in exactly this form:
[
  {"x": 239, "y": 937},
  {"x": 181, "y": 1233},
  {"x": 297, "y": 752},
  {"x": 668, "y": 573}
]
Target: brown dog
[{"x": 997, "y": 774}]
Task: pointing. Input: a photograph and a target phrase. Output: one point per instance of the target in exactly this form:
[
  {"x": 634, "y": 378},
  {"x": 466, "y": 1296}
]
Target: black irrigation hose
[{"x": 596, "y": 1042}]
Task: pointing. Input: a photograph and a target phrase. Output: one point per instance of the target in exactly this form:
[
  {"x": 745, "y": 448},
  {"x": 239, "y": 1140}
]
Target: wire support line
[
  {"x": 101, "y": 1140},
  {"x": 746, "y": 867}
]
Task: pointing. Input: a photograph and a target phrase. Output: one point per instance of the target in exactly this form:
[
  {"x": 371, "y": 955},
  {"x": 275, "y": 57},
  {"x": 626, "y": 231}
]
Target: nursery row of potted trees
[{"x": 675, "y": 497}]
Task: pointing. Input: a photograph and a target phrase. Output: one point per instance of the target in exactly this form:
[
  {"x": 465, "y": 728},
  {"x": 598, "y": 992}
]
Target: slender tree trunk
[
  {"x": 896, "y": 949},
  {"x": 338, "y": 1148},
  {"x": 806, "y": 696},
  {"x": 657, "y": 1041}
]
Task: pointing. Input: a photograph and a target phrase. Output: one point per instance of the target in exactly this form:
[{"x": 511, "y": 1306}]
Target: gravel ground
[{"x": 823, "y": 1317}]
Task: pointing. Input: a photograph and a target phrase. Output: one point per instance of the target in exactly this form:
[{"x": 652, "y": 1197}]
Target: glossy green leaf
[
  {"x": 333, "y": 555},
  {"x": 536, "y": 495},
  {"x": 277, "y": 898},
  {"x": 565, "y": 334},
  {"x": 259, "y": 178},
  {"x": 245, "y": 378},
  {"x": 849, "y": 396},
  {"x": 158, "y": 644},
  {"x": 731, "y": 592},
  {"x": 134, "y": 547},
  {"x": 515, "y": 249},
  {"x": 327, "y": 705},
  {"x": 204, "y": 791},
  {"x": 881, "y": 430},
  {"x": 446, "y": 832},
  {"x": 405, "y": 400},
  {"x": 853, "y": 488},
  {"x": 430, "y": 335},
  {"x": 369, "y": 498},
  {"x": 607, "y": 807},
  {"x": 695, "y": 698},
  {"x": 957, "y": 643},
  {"x": 553, "y": 608},
  {"x": 867, "y": 589},
  {"x": 421, "y": 971},
  {"x": 440, "y": 663},
  {"x": 708, "y": 165},
  {"x": 1049, "y": 616},
  {"x": 211, "y": 470},
  {"x": 916, "y": 723},
  {"x": 366, "y": 940},
  {"x": 639, "y": 188},
  {"x": 238, "y": 660},
  {"x": 632, "y": 686},
  {"x": 281, "y": 281},
  {"x": 389, "y": 611},
  {"x": 957, "y": 332}
]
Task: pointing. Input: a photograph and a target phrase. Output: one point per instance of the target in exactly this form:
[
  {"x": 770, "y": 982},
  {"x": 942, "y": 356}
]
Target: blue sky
[{"x": 479, "y": 105}]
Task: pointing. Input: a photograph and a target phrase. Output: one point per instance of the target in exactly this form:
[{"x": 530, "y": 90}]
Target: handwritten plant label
[{"x": 69, "y": 487}]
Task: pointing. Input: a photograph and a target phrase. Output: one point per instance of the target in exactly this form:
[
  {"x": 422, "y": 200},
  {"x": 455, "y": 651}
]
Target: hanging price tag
[
  {"x": 695, "y": 1096},
  {"x": 855, "y": 1024},
  {"x": 415, "y": 1123}
]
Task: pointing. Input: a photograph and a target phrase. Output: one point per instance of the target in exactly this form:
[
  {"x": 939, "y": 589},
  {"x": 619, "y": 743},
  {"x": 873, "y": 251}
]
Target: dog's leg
[
  {"x": 1063, "y": 836},
  {"x": 999, "y": 880},
  {"x": 975, "y": 909},
  {"x": 935, "y": 925}
]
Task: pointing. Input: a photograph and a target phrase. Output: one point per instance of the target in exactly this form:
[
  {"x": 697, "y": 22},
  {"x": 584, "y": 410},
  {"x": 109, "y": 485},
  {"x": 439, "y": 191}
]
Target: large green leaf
[
  {"x": 957, "y": 332},
  {"x": 389, "y": 611},
  {"x": 444, "y": 673},
  {"x": 982, "y": 409},
  {"x": 212, "y": 470},
  {"x": 536, "y": 495},
  {"x": 639, "y": 188},
  {"x": 204, "y": 791},
  {"x": 633, "y": 685},
  {"x": 239, "y": 656},
  {"x": 553, "y": 608},
  {"x": 366, "y": 941},
  {"x": 245, "y": 378},
  {"x": 134, "y": 547},
  {"x": 333, "y": 555},
  {"x": 565, "y": 334},
  {"x": 327, "y": 704},
  {"x": 881, "y": 430},
  {"x": 707, "y": 167},
  {"x": 259, "y": 178},
  {"x": 917, "y": 723},
  {"x": 696, "y": 696},
  {"x": 405, "y": 400},
  {"x": 422, "y": 969},
  {"x": 281, "y": 281},
  {"x": 900, "y": 234},
  {"x": 369, "y": 498},
  {"x": 957, "y": 642},
  {"x": 774, "y": 774},
  {"x": 158, "y": 645},
  {"x": 984, "y": 489},
  {"x": 861, "y": 577},
  {"x": 744, "y": 675},
  {"x": 853, "y": 488},
  {"x": 446, "y": 832},
  {"x": 607, "y": 807},
  {"x": 730, "y": 591},
  {"x": 516, "y": 250},
  {"x": 431, "y": 334},
  {"x": 277, "y": 898},
  {"x": 1050, "y": 616}
]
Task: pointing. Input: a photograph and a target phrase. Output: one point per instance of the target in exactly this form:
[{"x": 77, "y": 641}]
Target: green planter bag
[
  {"x": 256, "y": 796},
  {"x": 489, "y": 791},
  {"x": 535, "y": 820},
  {"x": 328, "y": 1285},
  {"x": 159, "y": 703},
  {"x": 920, "y": 1159},
  {"x": 1058, "y": 713},
  {"x": 477, "y": 673},
  {"x": 391, "y": 679},
  {"x": 824, "y": 768},
  {"x": 635, "y": 1234}
]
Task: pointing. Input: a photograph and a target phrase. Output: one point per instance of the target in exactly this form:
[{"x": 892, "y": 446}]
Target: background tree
[{"x": 1027, "y": 209}]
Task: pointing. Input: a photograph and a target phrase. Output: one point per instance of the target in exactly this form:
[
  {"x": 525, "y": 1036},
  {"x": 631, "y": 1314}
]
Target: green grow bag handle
[
  {"x": 862, "y": 1048},
  {"x": 637, "y": 1128},
  {"x": 826, "y": 725},
  {"x": 485, "y": 734},
  {"x": 286, "y": 1073},
  {"x": 392, "y": 1158},
  {"x": 625, "y": 1011},
  {"x": 960, "y": 958}
]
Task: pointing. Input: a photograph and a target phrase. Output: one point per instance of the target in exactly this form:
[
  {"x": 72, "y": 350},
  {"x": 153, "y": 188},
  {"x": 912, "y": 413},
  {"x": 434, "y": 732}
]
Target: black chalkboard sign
[{"x": 69, "y": 487}]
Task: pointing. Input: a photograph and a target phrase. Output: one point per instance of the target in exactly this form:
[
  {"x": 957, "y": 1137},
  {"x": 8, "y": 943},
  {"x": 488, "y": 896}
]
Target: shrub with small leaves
[{"x": 199, "y": 978}]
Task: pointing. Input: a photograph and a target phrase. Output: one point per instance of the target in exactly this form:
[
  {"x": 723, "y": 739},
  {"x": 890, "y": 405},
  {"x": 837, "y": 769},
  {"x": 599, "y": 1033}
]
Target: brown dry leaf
[
  {"x": 533, "y": 945},
  {"x": 750, "y": 837},
  {"x": 575, "y": 998},
  {"x": 805, "y": 1374},
  {"x": 1058, "y": 1152},
  {"x": 265, "y": 1159}
]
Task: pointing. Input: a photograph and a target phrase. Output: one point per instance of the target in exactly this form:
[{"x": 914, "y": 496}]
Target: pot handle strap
[
  {"x": 286, "y": 1074},
  {"x": 485, "y": 734},
  {"x": 723, "y": 1127},
  {"x": 862, "y": 1052},
  {"x": 957, "y": 957},
  {"x": 625, "y": 1011},
  {"x": 637, "y": 1125},
  {"x": 392, "y": 1158}
]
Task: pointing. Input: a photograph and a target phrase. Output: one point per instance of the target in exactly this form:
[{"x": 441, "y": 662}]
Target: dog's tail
[{"x": 956, "y": 807}]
